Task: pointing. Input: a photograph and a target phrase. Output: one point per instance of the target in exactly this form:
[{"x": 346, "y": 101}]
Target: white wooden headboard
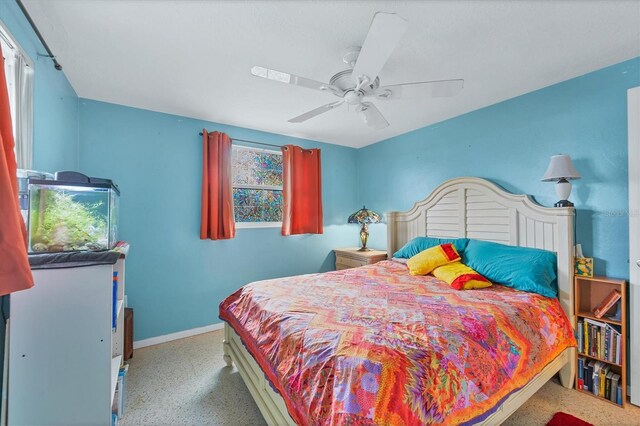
[{"x": 476, "y": 208}]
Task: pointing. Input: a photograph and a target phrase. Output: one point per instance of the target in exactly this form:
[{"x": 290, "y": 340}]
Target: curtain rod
[
  {"x": 254, "y": 142},
  {"x": 35, "y": 30}
]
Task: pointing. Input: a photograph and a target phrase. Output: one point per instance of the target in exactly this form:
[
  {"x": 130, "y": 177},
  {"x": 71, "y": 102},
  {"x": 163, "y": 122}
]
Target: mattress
[{"x": 375, "y": 345}]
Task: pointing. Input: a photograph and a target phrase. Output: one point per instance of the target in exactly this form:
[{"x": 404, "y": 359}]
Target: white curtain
[{"x": 24, "y": 113}]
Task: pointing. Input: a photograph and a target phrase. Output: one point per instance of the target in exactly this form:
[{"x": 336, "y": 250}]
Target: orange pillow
[
  {"x": 460, "y": 276},
  {"x": 429, "y": 259}
]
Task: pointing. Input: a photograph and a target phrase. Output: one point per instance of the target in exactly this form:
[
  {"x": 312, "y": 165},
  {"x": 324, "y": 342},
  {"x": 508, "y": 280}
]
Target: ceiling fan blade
[
  {"x": 385, "y": 33},
  {"x": 372, "y": 116},
  {"x": 287, "y": 78},
  {"x": 315, "y": 112},
  {"x": 433, "y": 89}
]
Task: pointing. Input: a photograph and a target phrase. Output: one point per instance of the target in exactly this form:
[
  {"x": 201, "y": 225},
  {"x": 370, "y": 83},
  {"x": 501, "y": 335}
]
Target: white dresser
[{"x": 64, "y": 355}]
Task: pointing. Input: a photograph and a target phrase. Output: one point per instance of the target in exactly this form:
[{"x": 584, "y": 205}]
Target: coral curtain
[
  {"x": 15, "y": 273},
  {"x": 217, "y": 195},
  {"x": 302, "y": 191}
]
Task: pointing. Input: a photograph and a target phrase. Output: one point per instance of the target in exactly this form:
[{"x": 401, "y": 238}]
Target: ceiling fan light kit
[{"x": 361, "y": 80}]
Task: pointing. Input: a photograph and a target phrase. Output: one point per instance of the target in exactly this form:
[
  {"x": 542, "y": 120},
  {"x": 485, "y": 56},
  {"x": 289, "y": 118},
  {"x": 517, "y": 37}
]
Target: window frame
[
  {"x": 254, "y": 225},
  {"x": 20, "y": 139}
]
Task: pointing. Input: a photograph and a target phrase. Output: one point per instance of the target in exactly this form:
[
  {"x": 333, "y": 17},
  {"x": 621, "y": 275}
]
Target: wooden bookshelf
[{"x": 589, "y": 293}]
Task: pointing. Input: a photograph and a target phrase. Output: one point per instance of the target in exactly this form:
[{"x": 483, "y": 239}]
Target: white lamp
[{"x": 561, "y": 171}]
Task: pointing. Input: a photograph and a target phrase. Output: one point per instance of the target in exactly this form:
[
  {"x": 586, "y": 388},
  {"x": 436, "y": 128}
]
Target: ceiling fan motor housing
[{"x": 343, "y": 81}]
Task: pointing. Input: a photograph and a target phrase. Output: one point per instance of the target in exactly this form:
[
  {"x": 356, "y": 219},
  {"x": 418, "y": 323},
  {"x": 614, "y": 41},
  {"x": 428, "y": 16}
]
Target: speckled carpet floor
[{"x": 186, "y": 382}]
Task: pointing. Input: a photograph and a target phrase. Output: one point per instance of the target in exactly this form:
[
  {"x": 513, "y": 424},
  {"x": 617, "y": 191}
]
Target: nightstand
[{"x": 352, "y": 258}]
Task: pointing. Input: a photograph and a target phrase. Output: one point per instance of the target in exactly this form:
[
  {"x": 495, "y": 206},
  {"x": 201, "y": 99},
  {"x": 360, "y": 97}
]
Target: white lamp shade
[{"x": 560, "y": 167}]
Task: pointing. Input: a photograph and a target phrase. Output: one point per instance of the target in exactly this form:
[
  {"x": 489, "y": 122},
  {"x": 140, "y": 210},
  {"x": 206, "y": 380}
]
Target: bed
[{"x": 335, "y": 312}]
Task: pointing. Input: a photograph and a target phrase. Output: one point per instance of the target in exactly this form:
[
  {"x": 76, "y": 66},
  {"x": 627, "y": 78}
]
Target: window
[
  {"x": 18, "y": 70},
  {"x": 257, "y": 187}
]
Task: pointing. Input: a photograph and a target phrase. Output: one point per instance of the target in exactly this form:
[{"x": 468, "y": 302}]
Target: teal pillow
[
  {"x": 419, "y": 244},
  {"x": 522, "y": 268}
]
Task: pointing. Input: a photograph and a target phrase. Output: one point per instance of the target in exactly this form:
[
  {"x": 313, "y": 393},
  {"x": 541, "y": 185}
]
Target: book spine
[
  {"x": 580, "y": 336},
  {"x": 614, "y": 387},
  {"x": 619, "y": 395},
  {"x": 585, "y": 348},
  {"x": 114, "y": 309},
  {"x": 580, "y": 373},
  {"x": 587, "y": 385}
]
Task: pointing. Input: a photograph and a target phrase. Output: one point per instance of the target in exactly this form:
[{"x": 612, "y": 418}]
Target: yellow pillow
[
  {"x": 429, "y": 259},
  {"x": 460, "y": 276}
]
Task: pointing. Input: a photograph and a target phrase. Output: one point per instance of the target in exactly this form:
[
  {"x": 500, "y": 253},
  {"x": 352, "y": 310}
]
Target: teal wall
[
  {"x": 510, "y": 144},
  {"x": 175, "y": 281},
  {"x": 55, "y": 110}
]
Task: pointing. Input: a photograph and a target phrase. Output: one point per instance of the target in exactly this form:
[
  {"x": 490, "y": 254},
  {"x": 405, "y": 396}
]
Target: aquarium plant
[{"x": 60, "y": 222}]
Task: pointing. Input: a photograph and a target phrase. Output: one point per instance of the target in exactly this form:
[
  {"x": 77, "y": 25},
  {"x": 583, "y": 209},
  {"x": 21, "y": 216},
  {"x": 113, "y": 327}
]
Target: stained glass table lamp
[{"x": 364, "y": 217}]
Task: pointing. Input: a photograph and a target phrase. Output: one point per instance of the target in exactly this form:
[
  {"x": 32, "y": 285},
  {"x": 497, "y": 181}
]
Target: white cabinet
[{"x": 64, "y": 355}]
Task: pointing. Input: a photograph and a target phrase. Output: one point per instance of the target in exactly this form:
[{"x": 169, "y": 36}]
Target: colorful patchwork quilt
[{"x": 377, "y": 346}]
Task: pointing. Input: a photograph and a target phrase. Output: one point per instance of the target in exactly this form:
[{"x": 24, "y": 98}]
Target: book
[
  {"x": 580, "y": 338},
  {"x": 607, "y": 385},
  {"x": 602, "y": 387},
  {"x": 612, "y": 337},
  {"x": 615, "y": 378},
  {"x": 580, "y": 372},
  {"x": 619, "y": 395},
  {"x": 615, "y": 313},
  {"x": 590, "y": 369},
  {"x": 585, "y": 376},
  {"x": 607, "y": 303},
  {"x": 596, "y": 377},
  {"x": 114, "y": 304},
  {"x": 601, "y": 342},
  {"x": 586, "y": 337}
]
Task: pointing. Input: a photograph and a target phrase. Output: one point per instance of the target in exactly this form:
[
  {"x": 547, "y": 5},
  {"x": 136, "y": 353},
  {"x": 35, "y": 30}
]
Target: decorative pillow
[
  {"x": 419, "y": 244},
  {"x": 460, "y": 276},
  {"x": 429, "y": 259},
  {"x": 522, "y": 268}
]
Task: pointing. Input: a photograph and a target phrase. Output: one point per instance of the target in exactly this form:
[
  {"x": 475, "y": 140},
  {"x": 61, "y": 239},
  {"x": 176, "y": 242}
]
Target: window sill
[{"x": 253, "y": 225}]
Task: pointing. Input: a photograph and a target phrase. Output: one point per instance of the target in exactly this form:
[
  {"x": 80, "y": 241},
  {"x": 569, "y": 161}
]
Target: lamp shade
[
  {"x": 364, "y": 215},
  {"x": 560, "y": 167}
]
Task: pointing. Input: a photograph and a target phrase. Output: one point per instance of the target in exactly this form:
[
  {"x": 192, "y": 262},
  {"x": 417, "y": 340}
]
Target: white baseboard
[{"x": 178, "y": 335}]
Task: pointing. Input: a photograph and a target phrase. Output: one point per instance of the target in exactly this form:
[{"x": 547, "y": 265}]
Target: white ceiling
[{"x": 193, "y": 58}]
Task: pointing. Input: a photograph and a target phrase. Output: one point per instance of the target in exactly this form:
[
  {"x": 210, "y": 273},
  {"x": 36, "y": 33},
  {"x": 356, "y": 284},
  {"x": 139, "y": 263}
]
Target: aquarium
[{"x": 72, "y": 212}]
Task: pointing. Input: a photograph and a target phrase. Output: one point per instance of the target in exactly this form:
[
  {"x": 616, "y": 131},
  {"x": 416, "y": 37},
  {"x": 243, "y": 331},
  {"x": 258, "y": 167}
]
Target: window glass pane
[
  {"x": 257, "y": 205},
  {"x": 255, "y": 167}
]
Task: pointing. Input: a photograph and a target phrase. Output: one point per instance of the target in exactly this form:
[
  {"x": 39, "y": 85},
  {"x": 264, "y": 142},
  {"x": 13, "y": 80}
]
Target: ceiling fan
[{"x": 361, "y": 80}]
